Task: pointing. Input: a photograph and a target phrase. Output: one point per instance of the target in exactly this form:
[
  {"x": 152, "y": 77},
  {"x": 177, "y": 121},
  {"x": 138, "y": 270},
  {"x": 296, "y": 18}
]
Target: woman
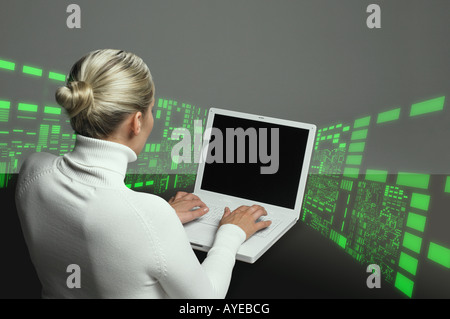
[{"x": 76, "y": 210}]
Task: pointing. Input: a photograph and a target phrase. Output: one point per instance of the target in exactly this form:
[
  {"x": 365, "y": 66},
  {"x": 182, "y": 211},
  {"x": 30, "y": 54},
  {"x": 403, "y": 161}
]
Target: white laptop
[{"x": 272, "y": 174}]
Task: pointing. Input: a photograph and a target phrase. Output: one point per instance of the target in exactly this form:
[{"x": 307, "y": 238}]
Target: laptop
[{"x": 251, "y": 159}]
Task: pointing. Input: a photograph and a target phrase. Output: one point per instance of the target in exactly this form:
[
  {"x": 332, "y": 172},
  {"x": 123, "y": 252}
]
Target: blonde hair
[{"x": 102, "y": 88}]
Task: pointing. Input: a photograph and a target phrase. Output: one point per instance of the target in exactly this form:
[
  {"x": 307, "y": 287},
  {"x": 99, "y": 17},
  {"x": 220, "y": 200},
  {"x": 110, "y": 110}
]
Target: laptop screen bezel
[{"x": 305, "y": 168}]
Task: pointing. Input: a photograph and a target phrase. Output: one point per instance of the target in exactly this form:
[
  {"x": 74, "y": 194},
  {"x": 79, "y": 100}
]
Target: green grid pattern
[
  {"x": 382, "y": 218},
  {"x": 369, "y": 216}
]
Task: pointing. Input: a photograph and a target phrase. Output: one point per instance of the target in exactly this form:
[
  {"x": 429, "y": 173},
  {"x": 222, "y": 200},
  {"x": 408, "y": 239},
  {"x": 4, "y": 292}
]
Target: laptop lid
[{"x": 255, "y": 159}]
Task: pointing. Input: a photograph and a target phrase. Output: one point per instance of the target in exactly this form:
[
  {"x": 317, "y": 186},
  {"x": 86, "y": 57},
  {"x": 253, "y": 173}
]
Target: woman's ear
[{"x": 136, "y": 123}]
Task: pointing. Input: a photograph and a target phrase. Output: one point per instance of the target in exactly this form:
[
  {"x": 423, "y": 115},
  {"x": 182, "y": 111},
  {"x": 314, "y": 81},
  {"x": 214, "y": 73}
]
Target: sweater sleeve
[
  {"x": 187, "y": 278},
  {"x": 182, "y": 275},
  {"x": 222, "y": 256}
]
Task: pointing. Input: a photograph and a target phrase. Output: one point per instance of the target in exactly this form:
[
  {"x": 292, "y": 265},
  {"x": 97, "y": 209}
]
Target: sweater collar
[{"x": 95, "y": 160}]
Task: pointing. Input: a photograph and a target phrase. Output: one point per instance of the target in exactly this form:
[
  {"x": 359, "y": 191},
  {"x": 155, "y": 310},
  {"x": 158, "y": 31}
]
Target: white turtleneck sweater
[{"x": 76, "y": 209}]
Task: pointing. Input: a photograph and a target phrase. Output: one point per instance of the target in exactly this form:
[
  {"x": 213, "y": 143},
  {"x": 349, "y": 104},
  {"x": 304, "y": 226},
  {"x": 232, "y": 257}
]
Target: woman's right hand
[{"x": 245, "y": 217}]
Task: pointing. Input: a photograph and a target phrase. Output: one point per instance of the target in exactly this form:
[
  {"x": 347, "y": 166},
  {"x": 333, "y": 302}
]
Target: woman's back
[{"x": 77, "y": 210}]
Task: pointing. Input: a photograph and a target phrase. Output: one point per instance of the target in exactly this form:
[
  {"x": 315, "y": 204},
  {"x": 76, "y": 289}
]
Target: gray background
[{"x": 311, "y": 61}]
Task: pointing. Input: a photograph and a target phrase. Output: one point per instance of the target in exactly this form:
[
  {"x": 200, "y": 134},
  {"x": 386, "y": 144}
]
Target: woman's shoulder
[
  {"x": 37, "y": 162},
  {"x": 146, "y": 202},
  {"x": 35, "y": 165}
]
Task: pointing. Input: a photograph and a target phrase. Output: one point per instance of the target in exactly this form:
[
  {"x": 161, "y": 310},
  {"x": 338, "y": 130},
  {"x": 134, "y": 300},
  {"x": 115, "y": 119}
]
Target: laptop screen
[{"x": 273, "y": 160}]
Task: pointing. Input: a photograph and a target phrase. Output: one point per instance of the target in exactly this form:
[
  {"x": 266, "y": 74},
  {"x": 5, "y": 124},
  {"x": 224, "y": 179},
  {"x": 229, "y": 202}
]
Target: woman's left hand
[{"x": 183, "y": 202}]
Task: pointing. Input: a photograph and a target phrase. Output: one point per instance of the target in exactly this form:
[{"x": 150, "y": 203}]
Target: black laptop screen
[{"x": 271, "y": 170}]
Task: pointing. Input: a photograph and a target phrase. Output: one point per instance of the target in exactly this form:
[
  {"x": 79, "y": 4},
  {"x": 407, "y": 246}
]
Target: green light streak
[
  {"x": 359, "y": 135},
  {"x": 354, "y": 160},
  {"x": 447, "y": 185},
  {"x": 342, "y": 241},
  {"x": 27, "y": 107},
  {"x": 416, "y": 221},
  {"x": 351, "y": 172},
  {"x": 5, "y": 105},
  {"x": 420, "y": 201},
  {"x": 439, "y": 254},
  {"x": 413, "y": 180},
  {"x": 412, "y": 242},
  {"x": 7, "y": 65},
  {"x": 408, "y": 263},
  {"x": 57, "y": 76},
  {"x": 52, "y": 110},
  {"x": 33, "y": 71},
  {"x": 376, "y": 175},
  {"x": 356, "y": 147},
  {"x": 364, "y": 121},
  {"x": 428, "y": 106},
  {"x": 388, "y": 116}
]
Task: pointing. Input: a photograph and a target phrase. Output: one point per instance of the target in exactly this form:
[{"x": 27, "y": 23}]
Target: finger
[
  {"x": 198, "y": 202},
  {"x": 171, "y": 199},
  {"x": 241, "y": 208},
  {"x": 190, "y": 196},
  {"x": 253, "y": 208},
  {"x": 256, "y": 215},
  {"x": 190, "y": 215},
  {"x": 227, "y": 212},
  {"x": 180, "y": 195},
  {"x": 189, "y": 204},
  {"x": 257, "y": 211},
  {"x": 263, "y": 224},
  {"x": 194, "y": 214}
]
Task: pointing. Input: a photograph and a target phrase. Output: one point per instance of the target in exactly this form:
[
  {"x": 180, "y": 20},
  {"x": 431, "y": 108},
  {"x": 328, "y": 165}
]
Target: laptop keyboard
[{"x": 215, "y": 214}]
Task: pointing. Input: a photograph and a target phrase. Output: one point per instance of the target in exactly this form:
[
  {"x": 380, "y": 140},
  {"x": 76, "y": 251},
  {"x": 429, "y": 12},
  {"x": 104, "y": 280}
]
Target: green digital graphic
[{"x": 375, "y": 215}]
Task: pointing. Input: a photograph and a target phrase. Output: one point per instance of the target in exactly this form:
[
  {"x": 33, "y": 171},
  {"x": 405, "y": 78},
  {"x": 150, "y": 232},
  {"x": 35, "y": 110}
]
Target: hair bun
[
  {"x": 76, "y": 97},
  {"x": 115, "y": 85}
]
